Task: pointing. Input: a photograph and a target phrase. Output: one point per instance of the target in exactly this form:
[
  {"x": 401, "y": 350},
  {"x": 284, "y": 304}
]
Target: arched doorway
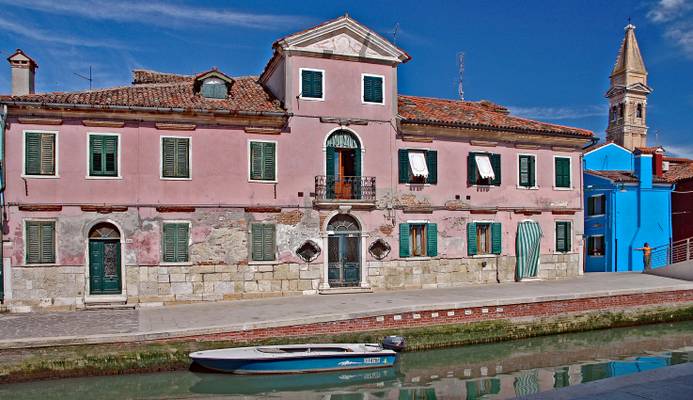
[
  {"x": 104, "y": 260},
  {"x": 343, "y": 251},
  {"x": 343, "y": 165}
]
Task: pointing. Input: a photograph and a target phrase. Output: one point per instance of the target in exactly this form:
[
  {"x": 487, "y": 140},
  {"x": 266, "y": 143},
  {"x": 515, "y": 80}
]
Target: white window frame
[
  {"x": 56, "y": 151},
  {"x": 555, "y": 236},
  {"x": 161, "y": 158},
  {"x": 536, "y": 178},
  {"x": 119, "y": 162},
  {"x": 24, "y": 238},
  {"x": 588, "y": 245},
  {"x": 300, "y": 84},
  {"x": 276, "y": 161},
  {"x": 570, "y": 168},
  {"x": 161, "y": 244},
  {"x": 363, "y": 85},
  {"x": 588, "y": 207}
]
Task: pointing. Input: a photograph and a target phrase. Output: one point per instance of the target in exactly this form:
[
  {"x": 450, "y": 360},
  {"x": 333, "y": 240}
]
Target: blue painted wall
[{"x": 635, "y": 213}]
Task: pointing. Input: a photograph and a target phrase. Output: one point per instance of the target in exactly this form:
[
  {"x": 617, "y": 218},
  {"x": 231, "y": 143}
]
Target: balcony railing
[
  {"x": 673, "y": 253},
  {"x": 345, "y": 188}
]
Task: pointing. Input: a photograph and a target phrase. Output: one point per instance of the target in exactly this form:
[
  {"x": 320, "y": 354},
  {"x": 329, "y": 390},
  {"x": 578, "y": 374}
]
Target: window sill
[
  {"x": 312, "y": 98},
  {"x": 600, "y": 256},
  {"x": 596, "y": 215},
  {"x": 176, "y": 264},
  {"x": 40, "y": 176},
  {"x": 273, "y": 262},
  {"x": 486, "y": 255},
  {"x": 418, "y": 184},
  {"x": 477, "y": 185},
  {"x": 105, "y": 178},
  {"x": 416, "y": 258},
  {"x": 262, "y": 181},
  {"x": 563, "y": 188},
  {"x": 38, "y": 265},
  {"x": 372, "y": 103},
  {"x": 527, "y": 187},
  {"x": 563, "y": 252},
  {"x": 163, "y": 178}
]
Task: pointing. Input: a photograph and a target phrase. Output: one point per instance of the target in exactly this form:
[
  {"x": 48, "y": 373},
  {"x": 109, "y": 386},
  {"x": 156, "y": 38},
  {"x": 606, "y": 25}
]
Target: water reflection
[{"x": 494, "y": 371}]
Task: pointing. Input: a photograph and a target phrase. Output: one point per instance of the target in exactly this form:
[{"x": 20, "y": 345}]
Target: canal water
[{"x": 492, "y": 371}]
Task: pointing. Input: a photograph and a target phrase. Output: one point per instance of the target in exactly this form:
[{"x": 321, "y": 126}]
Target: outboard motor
[{"x": 396, "y": 343}]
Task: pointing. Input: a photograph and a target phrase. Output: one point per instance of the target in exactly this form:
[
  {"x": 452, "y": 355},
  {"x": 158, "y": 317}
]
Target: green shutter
[
  {"x": 403, "y": 157},
  {"x": 372, "y": 89},
  {"x": 32, "y": 151},
  {"x": 168, "y": 157},
  {"x": 432, "y": 240},
  {"x": 33, "y": 243},
  {"x": 268, "y": 242},
  {"x": 471, "y": 169},
  {"x": 256, "y": 160},
  {"x": 329, "y": 161},
  {"x": 40, "y": 242},
  {"x": 568, "y": 243},
  {"x": 268, "y": 161},
  {"x": 532, "y": 171},
  {"x": 169, "y": 243},
  {"x": 182, "y": 158},
  {"x": 317, "y": 84},
  {"x": 496, "y": 165},
  {"x": 182, "y": 240},
  {"x": 110, "y": 148},
  {"x": 563, "y": 237},
  {"x": 256, "y": 236},
  {"x": 432, "y": 164},
  {"x": 103, "y": 155},
  {"x": 48, "y": 242},
  {"x": 471, "y": 239},
  {"x": 311, "y": 82},
  {"x": 47, "y": 154},
  {"x": 95, "y": 155},
  {"x": 404, "y": 240},
  {"x": 562, "y": 167},
  {"x": 524, "y": 170},
  {"x": 496, "y": 234}
]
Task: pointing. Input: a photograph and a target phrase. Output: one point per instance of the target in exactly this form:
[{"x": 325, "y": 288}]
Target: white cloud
[
  {"x": 676, "y": 16},
  {"x": 679, "y": 150},
  {"x": 559, "y": 113},
  {"x": 39, "y": 35},
  {"x": 159, "y": 13}
]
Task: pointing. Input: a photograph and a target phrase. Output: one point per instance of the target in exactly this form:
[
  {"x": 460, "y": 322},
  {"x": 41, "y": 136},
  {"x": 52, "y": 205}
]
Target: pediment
[
  {"x": 346, "y": 38},
  {"x": 639, "y": 87}
]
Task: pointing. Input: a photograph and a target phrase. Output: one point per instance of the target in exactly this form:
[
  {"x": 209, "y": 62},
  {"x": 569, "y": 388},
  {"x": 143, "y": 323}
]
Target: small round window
[
  {"x": 379, "y": 249},
  {"x": 308, "y": 251}
]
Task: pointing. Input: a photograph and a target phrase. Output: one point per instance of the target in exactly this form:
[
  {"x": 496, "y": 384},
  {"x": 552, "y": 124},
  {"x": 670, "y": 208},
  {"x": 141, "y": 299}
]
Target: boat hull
[{"x": 298, "y": 365}]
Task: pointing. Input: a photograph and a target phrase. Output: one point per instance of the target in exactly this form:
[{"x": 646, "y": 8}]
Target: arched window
[
  {"x": 214, "y": 88},
  {"x": 104, "y": 230},
  {"x": 343, "y": 223},
  {"x": 613, "y": 113},
  {"x": 638, "y": 111},
  {"x": 620, "y": 111}
]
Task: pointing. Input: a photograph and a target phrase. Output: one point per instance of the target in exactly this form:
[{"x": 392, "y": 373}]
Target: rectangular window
[
  {"x": 39, "y": 153},
  {"x": 40, "y": 242},
  {"x": 175, "y": 157},
  {"x": 373, "y": 89},
  {"x": 484, "y": 238},
  {"x": 418, "y": 166},
  {"x": 562, "y": 172},
  {"x": 596, "y": 205},
  {"x": 103, "y": 155},
  {"x": 595, "y": 245},
  {"x": 484, "y": 169},
  {"x": 263, "y": 161},
  {"x": 312, "y": 84},
  {"x": 563, "y": 235},
  {"x": 263, "y": 242},
  {"x": 175, "y": 242},
  {"x": 418, "y": 240},
  {"x": 527, "y": 171}
]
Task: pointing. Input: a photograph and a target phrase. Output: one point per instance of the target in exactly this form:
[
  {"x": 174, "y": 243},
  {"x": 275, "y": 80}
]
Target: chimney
[
  {"x": 643, "y": 169},
  {"x": 658, "y": 162},
  {"x": 23, "y": 71}
]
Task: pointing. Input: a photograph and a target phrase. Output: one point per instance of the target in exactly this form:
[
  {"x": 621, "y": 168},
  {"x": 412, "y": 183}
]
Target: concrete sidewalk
[{"x": 102, "y": 326}]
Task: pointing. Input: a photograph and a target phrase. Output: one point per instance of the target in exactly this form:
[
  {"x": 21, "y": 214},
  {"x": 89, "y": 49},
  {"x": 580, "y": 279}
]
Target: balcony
[{"x": 333, "y": 191}]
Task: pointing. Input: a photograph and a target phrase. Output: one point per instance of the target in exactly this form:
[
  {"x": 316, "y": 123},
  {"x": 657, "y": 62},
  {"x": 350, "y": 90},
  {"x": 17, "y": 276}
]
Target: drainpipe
[{"x": 3, "y": 120}]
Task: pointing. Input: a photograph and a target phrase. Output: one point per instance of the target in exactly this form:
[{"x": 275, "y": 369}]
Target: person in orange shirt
[{"x": 646, "y": 252}]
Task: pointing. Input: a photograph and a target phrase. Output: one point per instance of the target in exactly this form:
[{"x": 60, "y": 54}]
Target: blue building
[{"x": 627, "y": 203}]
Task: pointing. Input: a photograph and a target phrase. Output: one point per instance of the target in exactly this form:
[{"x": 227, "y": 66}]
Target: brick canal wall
[{"x": 458, "y": 316}]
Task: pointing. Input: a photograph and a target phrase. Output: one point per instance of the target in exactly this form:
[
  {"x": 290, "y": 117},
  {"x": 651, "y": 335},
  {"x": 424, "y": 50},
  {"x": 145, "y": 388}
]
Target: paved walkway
[
  {"x": 19, "y": 330},
  {"x": 670, "y": 383}
]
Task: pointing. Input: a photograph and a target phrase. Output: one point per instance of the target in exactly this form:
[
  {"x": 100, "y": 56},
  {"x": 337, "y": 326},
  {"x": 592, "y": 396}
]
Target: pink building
[{"x": 315, "y": 177}]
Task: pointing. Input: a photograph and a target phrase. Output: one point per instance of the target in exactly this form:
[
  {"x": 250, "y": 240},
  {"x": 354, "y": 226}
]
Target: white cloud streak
[
  {"x": 676, "y": 16},
  {"x": 559, "y": 113},
  {"x": 34, "y": 33},
  {"x": 158, "y": 13}
]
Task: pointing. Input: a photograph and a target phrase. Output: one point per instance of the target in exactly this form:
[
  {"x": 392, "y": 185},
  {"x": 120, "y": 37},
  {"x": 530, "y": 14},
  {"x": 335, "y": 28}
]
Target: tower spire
[{"x": 627, "y": 94}]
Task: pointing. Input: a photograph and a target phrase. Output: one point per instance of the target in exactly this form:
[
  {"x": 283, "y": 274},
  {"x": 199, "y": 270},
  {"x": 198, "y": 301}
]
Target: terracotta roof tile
[
  {"x": 153, "y": 89},
  {"x": 648, "y": 150},
  {"x": 624, "y": 176},
  {"x": 679, "y": 172},
  {"x": 476, "y": 115}
]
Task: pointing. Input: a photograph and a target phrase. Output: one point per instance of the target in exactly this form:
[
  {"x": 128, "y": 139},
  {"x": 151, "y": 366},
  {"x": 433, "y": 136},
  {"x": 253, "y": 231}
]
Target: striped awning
[
  {"x": 527, "y": 246},
  {"x": 343, "y": 139},
  {"x": 527, "y": 383}
]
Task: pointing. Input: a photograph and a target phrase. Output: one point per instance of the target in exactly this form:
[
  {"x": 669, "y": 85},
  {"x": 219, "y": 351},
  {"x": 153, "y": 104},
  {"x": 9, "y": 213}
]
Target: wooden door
[
  {"x": 344, "y": 260},
  {"x": 104, "y": 267}
]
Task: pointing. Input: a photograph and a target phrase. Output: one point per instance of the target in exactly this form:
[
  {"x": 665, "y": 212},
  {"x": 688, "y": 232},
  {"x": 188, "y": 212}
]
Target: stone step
[
  {"x": 4, "y": 308},
  {"x": 346, "y": 290},
  {"x": 109, "y": 306}
]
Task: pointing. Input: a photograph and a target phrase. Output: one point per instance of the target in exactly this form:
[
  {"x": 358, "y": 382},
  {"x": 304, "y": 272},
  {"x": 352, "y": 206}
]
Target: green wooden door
[{"x": 104, "y": 267}]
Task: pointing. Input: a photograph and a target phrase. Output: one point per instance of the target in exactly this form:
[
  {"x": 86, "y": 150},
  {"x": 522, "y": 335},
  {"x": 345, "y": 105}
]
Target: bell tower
[{"x": 628, "y": 96}]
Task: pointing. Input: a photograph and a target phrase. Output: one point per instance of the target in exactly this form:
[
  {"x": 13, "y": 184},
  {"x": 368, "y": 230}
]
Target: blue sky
[{"x": 547, "y": 60}]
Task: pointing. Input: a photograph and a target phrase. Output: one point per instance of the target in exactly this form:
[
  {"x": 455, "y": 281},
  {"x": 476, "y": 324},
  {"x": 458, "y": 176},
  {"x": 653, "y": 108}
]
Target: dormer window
[{"x": 214, "y": 88}]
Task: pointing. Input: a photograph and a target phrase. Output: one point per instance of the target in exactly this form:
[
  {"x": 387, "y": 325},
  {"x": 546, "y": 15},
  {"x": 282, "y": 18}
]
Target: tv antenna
[
  {"x": 395, "y": 32},
  {"x": 89, "y": 78},
  {"x": 460, "y": 67}
]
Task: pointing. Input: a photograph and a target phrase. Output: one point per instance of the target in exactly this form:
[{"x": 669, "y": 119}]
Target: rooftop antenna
[
  {"x": 460, "y": 65},
  {"x": 86, "y": 78},
  {"x": 395, "y": 32}
]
